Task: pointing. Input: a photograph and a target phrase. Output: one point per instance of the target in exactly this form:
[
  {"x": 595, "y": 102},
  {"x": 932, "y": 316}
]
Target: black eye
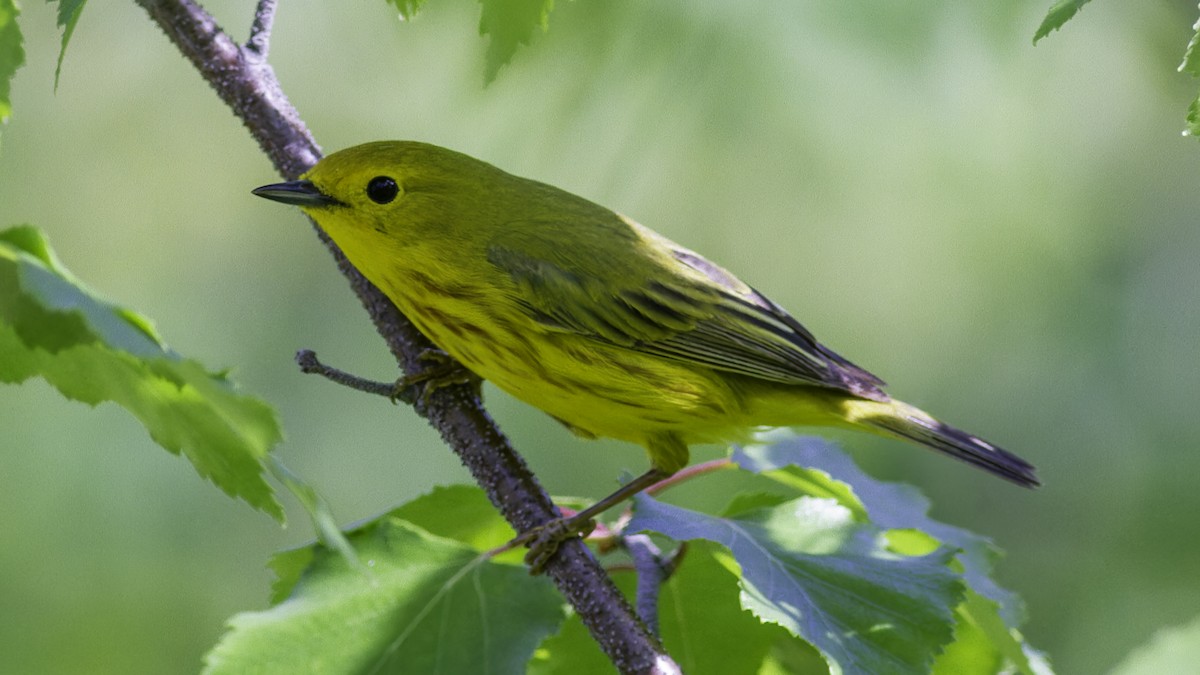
[{"x": 382, "y": 190}]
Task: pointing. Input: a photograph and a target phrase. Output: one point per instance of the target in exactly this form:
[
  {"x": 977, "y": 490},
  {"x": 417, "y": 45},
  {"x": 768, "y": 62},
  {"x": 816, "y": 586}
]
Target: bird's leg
[
  {"x": 440, "y": 371},
  {"x": 544, "y": 540}
]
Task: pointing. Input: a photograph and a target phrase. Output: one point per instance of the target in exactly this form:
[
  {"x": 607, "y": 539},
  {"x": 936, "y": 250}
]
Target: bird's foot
[
  {"x": 440, "y": 371},
  {"x": 543, "y": 541}
]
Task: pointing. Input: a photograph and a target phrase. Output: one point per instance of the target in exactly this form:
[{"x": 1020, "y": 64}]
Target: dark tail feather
[{"x": 913, "y": 424}]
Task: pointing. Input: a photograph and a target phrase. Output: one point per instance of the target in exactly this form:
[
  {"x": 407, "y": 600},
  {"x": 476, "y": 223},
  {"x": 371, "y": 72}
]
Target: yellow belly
[{"x": 596, "y": 388}]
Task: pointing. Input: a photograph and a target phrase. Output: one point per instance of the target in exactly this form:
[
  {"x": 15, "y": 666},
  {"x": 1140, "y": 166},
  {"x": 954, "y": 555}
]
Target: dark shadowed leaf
[
  {"x": 702, "y": 624},
  {"x": 808, "y": 566}
]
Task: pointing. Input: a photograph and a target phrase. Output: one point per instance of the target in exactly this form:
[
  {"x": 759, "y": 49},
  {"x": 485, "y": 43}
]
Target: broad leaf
[
  {"x": 68, "y": 16},
  {"x": 419, "y": 604},
  {"x": 12, "y": 55},
  {"x": 704, "y": 626},
  {"x": 508, "y": 24},
  {"x": 891, "y": 506},
  {"x": 572, "y": 651},
  {"x": 459, "y": 512},
  {"x": 808, "y": 566},
  {"x": 702, "y": 623},
  {"x": 983, "y": 643},
  {"x": 93, "y": 351},
  {"x": 1060, "y": 13}
]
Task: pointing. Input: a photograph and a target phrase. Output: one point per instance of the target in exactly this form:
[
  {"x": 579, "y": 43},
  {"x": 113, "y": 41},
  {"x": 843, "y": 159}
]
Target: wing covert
[{"x": 680, "y": 307}]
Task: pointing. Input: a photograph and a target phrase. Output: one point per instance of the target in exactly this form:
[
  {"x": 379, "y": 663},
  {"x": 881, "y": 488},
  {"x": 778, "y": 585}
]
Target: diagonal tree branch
[{"x": 244, "y": 80}]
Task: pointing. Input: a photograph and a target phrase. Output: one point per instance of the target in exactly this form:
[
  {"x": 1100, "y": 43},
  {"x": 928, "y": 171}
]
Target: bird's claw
[
  {"x": 440, "y": 371},
  {"x": 543, "y": 541}
]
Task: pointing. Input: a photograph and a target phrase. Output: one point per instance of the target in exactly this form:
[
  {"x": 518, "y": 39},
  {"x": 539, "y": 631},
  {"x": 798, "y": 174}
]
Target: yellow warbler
[{"x": 602, "y": 323}]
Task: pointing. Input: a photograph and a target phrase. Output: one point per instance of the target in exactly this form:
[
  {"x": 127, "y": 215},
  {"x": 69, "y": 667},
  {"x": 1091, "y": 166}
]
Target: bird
[{"x": 609, "y": 327}]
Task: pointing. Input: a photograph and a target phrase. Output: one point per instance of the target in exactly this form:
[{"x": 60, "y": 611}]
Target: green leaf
[
  {"x": 703, "y": 625},
  {"x": 12, "y": 55},
  {"x": 1193, "y": 119},
  {"x": 982, "y": 642},
  {"x": 459, "y": 512},
  {"x": 92, "y": 351},
  {"x": 809, "y": 567},
  {"x": 423, "y": 604},
  {"x": 789, "y": 657},
  {"x": 572, "y": 651},
  {"x": 288, "y": 567},
  {"x": 408, "y": 8},
  {"x": 319, "y": 512},
  {"x": 891, "y": 506},
  {"x": 68, "y": 16},
  {"x": 1060, "y": 13},
  {"x": 508, "y": 24},
  {"x": 749, "y": 501},
  {"x": 1171, "y": 650},
  {"x": 1191, "y": 56}
]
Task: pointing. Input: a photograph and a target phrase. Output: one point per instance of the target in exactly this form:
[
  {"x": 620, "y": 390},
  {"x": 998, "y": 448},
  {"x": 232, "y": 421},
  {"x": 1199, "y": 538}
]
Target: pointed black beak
[{"x": 296, "y": 193}]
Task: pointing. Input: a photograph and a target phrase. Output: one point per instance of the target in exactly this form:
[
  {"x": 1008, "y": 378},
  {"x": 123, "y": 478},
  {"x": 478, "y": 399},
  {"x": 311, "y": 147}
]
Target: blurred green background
[{"x": 1005, "y": 234}]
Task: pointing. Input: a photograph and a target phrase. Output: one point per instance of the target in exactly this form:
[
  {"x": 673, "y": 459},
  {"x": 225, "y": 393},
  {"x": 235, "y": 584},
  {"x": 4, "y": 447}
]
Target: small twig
[
  {"x": 653, "y": 570},
  {"x": 307, "y": 360},
  {"x": 687, "y": 473},
  {"x": 649, "y": 577},
  {"x": 260, "y": 30}
]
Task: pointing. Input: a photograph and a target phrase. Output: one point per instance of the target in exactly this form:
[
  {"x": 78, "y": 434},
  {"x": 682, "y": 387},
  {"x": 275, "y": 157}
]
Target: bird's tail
[{"x": 899, "y": 419}]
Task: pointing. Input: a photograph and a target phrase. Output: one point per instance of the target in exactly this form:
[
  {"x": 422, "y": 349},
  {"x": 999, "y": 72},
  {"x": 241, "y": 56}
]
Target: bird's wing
[{"x": 653, "y": 297}]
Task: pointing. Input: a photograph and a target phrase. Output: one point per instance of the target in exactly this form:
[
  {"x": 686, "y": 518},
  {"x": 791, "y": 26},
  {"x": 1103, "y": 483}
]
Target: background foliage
[{"x": 1005, "y": 233}]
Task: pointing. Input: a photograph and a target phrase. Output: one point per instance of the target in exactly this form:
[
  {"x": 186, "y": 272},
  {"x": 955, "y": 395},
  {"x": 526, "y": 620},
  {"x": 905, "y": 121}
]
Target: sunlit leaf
[
  {"x": 12, "y": 55},
  {"x": 1060, "y": 13},
  {"x": 892, "y": 506},
  {"x": 68, "y": 16},
  {"x": 1191, "y": 56},
  {"x": 93, "y": 351},
  {"x": 420, "y": 604},
  {"x": 459, "y": 512},
  {"x": 509, "y": 24},
  {"x": 983, "y": 643},
  {"x": 808, "y": 566}
]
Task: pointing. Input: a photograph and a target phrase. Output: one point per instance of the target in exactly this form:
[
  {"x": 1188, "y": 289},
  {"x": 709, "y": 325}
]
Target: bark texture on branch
[{"x": 246, "y": 82}]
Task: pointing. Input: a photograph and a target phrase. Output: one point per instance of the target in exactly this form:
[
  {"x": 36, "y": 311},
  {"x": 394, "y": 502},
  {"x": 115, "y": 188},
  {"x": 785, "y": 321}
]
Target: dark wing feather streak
[{"x": 722, "y": 325}]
